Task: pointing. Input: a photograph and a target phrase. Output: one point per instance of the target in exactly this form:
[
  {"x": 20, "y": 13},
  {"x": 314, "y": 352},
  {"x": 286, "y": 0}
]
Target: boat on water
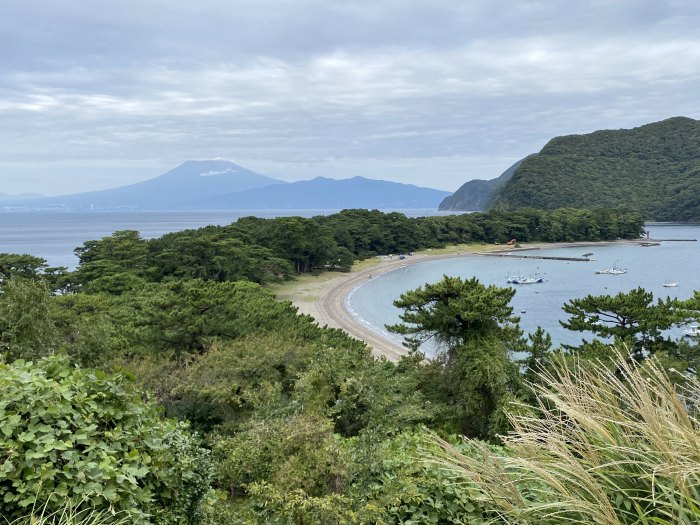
[
  {"x": 611, "y": 271},
  {"x": 615, "y": 270},
  {"x": 693, "y": 331},
  {"x": 670, "y": 284},
  {"x": 525, "y": 280}
]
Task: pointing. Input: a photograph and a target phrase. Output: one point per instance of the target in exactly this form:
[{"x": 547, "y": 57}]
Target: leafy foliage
[
  {"x": 305, "y": 425},
  {"x": 33, "y": 268},
  {"x": 406, "y": 487},
  {"x": 73, "y": 434},
  {"x": 70, "y": 515},
  {"x": 26, "y": 328},
  {"x": 271, "y": 250},
  {"x": 453, "y": 311}
]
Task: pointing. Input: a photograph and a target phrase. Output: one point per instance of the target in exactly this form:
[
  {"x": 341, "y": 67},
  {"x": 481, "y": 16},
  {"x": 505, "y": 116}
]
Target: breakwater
[{"x": 547, "y": 257}]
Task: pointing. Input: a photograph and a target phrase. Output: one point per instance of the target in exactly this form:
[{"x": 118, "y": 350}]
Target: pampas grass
[
  {"x": 605, "y": 445},
  {"x": 70, "y": 515}
]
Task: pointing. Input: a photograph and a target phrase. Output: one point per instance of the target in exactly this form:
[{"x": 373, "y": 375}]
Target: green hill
[
  {"x": 653, "y": 168},
  {"x": 475, "y": 195}
]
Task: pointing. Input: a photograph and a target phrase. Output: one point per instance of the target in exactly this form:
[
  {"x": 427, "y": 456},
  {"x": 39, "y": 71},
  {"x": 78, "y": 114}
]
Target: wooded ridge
[{"x": 654, "y": 169}]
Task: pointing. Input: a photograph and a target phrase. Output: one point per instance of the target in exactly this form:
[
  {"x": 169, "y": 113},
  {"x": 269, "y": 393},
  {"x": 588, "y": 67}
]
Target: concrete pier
[{"x": 547, "y": 257}]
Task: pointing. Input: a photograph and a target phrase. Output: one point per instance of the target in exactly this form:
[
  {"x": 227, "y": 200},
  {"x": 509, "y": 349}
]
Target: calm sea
[
  {"x": 540, "y": 304},
  {"x": 54, "y": 235}
]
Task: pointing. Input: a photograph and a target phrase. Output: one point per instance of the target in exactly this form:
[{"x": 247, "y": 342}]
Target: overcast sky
[{"x": 97, "y": 94}]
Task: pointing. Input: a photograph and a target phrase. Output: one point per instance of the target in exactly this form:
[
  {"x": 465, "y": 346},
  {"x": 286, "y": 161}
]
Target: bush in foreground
[{"x": 69, "y": 434}]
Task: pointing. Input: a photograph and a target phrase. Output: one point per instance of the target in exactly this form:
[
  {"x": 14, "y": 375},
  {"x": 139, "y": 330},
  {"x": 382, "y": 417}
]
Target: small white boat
[
  {"x": 615, "y": 270},
  {"x": 693, "y": 331},
  {"x": 670, "y": 284},
  {"x": 526, "y": 280}
]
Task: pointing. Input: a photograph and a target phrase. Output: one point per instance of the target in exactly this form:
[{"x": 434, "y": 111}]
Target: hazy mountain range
[
  {"x": 5, "y": 197},
  {"x": 654, "y": 168},
  {"x": 322, "y": 192},
  {"x": 222, "y": 185}
]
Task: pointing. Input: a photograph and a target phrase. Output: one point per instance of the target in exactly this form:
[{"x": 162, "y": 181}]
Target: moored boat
[
  {"x": 615, "y": 270},
  {"x": 526, "y": 280}
]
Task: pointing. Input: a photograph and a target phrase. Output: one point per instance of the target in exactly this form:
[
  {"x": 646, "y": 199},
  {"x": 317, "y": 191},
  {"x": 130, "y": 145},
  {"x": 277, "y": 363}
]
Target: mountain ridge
[
  {"x": 654, "y": 168},
  {"x": 193, "y": 179},
  {"x": 223, "y": 185},
  {"x": 328, "y": 193}
]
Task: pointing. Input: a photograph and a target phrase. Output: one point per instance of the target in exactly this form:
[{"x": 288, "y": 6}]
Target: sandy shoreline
[{"x": 324, "y": 297}]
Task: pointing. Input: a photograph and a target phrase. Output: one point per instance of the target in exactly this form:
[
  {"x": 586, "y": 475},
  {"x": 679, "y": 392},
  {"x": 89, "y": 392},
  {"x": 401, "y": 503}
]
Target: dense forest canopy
[
  {"x": 269, "y": 250},
  {"x": 653, "y": 168},
  {"x": 161, "y": 382}
]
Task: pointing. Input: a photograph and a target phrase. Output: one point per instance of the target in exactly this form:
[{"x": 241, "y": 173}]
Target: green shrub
[
  {"x": 405, "y": 488},
  {"x": 26, "y": 330},
  {"x": 73, "y": 434}
]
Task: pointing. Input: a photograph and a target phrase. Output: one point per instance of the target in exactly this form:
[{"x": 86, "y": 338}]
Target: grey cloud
[{"x": 393, "y": 88}]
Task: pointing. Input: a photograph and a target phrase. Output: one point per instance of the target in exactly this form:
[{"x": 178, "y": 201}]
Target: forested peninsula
[
  {"x": 160, "y": 382},
  {"x": 654, "y": 169}
]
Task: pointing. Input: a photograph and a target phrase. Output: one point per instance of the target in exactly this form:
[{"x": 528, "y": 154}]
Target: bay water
[{"x": 541, "y": 304}]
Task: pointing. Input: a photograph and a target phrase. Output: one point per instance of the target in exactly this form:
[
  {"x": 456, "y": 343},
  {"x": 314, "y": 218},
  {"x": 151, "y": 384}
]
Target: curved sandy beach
[
  {"x": 325, "y": 300},
  {"x": 324, "y": 297},
  {"x": 330, "y": 308}
]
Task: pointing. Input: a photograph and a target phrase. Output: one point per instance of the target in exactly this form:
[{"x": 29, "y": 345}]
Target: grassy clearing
[
  {"x": 462, "y": 248},
  {"x": 308, "y": 286}
]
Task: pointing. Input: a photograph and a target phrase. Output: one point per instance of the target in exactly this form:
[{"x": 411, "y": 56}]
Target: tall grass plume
[{"x": 604, "y": 445}]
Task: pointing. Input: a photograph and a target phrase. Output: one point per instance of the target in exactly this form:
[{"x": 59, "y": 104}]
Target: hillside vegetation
[
  {"x": 653, "y": 168},
  {"x": 477, "y": 194},
  {"x": 161, "y": 384}
]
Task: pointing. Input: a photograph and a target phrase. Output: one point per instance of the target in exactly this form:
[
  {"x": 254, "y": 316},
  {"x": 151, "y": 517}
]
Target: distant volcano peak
[{"x": 194, "y": 181}]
